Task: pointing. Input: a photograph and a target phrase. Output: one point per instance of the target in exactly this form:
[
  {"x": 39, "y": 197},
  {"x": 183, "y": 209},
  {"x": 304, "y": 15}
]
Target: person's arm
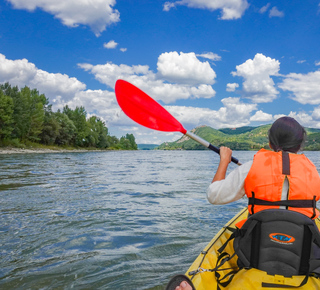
[
  {"x": 225, "y": 159},
  {"x": 225, "y": 189}
]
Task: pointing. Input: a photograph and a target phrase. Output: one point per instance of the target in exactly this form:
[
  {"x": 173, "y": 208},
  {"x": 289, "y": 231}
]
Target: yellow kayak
[{"x": 204, "y": 279}]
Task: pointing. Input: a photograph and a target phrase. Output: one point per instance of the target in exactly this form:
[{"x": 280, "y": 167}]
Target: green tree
[
  {"x": 19, "y": 110},
  {"x": 92, "y": 137},
  {"x": 128, "y": 142},
  {"x": 124, "y": 143},
  {"x": 6, "y": 116},
  {"x": 67, "y": 129},
  {"x": 132, "y": 140},
  {"x": 78, "y": 117},
  {"x": 28, "y": 111},
  {"x": 27, "y": 115},
  {"x": 35, "y": 106},
  {"x": 51, "y": 127},
  {"x": 113, "y": 142},
  {"x": 97, "y": 133},
  {"x": 103, "y": 138}
]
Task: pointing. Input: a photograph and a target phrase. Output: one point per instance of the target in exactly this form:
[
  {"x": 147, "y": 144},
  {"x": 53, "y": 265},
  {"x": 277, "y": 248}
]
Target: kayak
[{"x": 203, "y": 279}]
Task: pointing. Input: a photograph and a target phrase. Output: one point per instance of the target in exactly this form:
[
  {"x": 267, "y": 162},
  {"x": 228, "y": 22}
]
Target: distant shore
[{"x": 12, "y": 150}]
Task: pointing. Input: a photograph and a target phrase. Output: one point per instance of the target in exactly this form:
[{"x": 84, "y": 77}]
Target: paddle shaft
[{"x": 209, "y": 145}]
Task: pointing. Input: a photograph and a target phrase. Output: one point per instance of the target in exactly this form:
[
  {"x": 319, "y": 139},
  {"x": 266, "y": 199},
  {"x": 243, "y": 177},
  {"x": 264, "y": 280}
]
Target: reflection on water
[{"x": 106, "y": 220}]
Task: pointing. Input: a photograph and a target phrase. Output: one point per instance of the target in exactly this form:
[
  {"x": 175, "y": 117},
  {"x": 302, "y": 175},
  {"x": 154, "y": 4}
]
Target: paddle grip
[
  {"x": 209, "y": 145},
  {"x": 216, "y": 149}
]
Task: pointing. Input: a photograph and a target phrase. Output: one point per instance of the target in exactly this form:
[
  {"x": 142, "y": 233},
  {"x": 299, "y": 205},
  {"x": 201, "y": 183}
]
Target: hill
[
  {"x": 243, "y": 138},
  {"x": 235, "y": 131}
]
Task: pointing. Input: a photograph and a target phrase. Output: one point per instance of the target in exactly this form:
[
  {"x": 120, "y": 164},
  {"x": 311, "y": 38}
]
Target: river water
[{"x": 106, "y": 220}]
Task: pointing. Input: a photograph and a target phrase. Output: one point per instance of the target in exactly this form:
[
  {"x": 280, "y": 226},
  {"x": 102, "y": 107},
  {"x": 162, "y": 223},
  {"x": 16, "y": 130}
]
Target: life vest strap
[
  {"x": 285, "y": 163},
  {"x": 298, "y": 203}
]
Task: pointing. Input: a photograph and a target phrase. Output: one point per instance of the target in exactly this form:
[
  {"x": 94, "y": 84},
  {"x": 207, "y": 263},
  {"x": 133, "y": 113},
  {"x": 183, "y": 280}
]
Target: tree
[
  {"x": 28, "y": 111},
  {"x": 113, "y": 141},
  {"x": 19, "y": 110},
  {"x": 6, "y": 116},
  {"x": 128, "y": 142},
  {"x": 132, "y": 140},
  {"x": 67, "y": 129},
  {"x": 27, "y": 115},
  {"x": 103, "y": 138},
  {"x": 125, "y": 143},
  {"x": 97, "y": 133},
  {"x": 34, "y": 104},
  {"x": 92, "y": 137},
  {"x": 51, "y": 127},
  {"x": 78, "y": 117}
]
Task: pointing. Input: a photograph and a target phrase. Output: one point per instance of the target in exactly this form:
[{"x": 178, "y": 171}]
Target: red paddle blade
[{"x": 144, "y": 110}]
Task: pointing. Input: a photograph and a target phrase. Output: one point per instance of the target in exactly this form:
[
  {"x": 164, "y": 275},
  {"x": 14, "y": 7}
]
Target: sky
[{"x": 221, "y": 63}]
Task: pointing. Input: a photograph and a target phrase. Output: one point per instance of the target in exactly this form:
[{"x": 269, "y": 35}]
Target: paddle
[{"x": 142, "y": 109}]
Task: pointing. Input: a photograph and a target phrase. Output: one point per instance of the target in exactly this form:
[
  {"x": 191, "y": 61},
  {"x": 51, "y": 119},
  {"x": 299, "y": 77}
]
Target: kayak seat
[{"x": 279, "y": 241}]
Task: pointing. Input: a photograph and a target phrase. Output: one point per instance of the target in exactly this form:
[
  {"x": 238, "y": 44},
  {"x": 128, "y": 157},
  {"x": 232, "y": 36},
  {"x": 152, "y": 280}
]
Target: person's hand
[
  {"x": 225, "y": 159},
  {"x": 225, "y": 154}
]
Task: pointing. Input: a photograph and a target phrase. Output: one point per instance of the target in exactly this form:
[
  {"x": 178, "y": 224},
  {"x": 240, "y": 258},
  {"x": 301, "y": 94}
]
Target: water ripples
[{"x": 105, "y": 220}]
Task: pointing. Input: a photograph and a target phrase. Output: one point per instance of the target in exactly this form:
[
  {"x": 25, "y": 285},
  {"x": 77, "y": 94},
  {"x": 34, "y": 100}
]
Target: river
[{"x": 107, "y": 220}]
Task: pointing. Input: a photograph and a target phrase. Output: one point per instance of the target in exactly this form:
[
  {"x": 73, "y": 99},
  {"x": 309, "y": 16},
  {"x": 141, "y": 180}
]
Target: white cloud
[
  {"x": 231, "y": 9},
  {"x": 307, "y": 119},
  {"x": 210, "y": 55},
  {"x": 274, "y": 12},
  {"x": 232, "y": 87},
  {"x": 184, "y": 68},
  {"x": 237, "y": 111},
  {"x": 316, "y": 113},
  {"x": 188, "y": 77},
  {"x": 232, "y": 114},
  {"x": 23, "y": 73},
  {"x": 168, "y": 5},
  {"x": 305, "y": 87},
  {"x": 108, "y": 73},
  {"x": 258, "y": 85},
  {"x": 110, "y": 45},
  {"x": 97, "y": 14},
  {"x": 98, "y": 102},
  {"x": 264, "y": 8},
  {"x": 61, "y": 89},
  {"x": 304, "y": 119},
  {"x": 123, "y": 49},
  {"x": 301, "y": 61},
  {"x": 64, "y": 90},
  {"x": 261, "y": 116},
  {"x": 317, "y": 63}
]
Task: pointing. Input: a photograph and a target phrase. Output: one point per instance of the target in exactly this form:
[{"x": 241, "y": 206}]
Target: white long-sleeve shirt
[{"x": 232, "y": 187}]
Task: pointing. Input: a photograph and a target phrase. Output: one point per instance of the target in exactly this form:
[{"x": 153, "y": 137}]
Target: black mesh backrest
[{"x": 279, "y": 242}]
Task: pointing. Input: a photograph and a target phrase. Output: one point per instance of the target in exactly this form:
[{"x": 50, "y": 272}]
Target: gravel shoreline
[{"x": 37, "y": 150}]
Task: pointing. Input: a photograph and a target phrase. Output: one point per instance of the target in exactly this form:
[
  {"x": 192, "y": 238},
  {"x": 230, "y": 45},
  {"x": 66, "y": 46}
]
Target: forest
[{"x": 27, "y": 119}]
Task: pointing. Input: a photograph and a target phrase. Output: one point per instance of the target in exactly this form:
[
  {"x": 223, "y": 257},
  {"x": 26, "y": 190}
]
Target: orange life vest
[{"x": 264, "y": 182}]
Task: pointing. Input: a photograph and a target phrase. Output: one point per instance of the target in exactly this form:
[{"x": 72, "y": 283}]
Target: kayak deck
[{"x": 244, "y": 279}]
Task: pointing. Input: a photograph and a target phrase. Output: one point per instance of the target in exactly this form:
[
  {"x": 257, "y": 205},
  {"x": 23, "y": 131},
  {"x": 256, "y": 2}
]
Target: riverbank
[{"x": 12, "y": 150}]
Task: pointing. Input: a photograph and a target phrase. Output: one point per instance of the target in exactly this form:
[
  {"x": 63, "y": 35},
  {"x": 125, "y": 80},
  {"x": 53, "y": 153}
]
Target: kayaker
[
  {"x": 263, "y": 177},
  {"x": 276, "y": 175}
]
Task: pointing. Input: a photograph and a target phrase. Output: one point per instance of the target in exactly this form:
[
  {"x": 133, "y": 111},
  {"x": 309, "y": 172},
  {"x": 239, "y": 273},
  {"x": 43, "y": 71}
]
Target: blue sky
[{"x": 222, "y": 63}]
